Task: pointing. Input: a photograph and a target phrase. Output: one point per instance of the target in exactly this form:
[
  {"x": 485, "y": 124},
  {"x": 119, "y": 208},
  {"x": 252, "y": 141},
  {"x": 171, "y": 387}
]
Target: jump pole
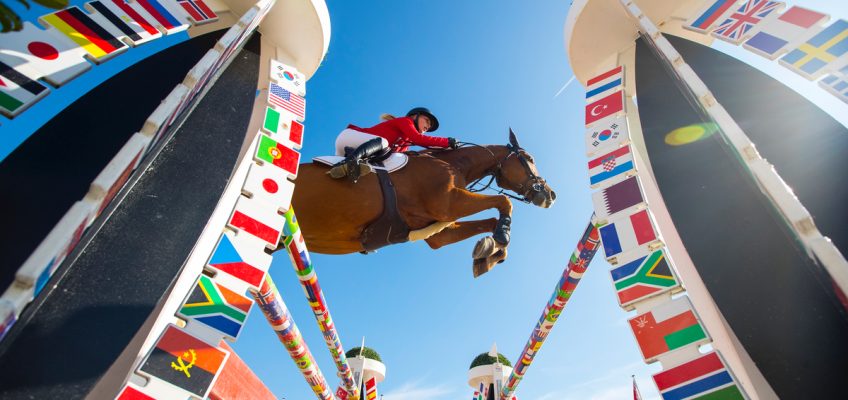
[
  {"x": 577, "y": 265},
  {"x": 302, "y": 263},
  {"x": 271, "y": 303}
]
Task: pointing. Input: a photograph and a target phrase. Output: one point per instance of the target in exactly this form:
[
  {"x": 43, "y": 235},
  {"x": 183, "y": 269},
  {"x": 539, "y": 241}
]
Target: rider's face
[{"x": 423, "y": 123}]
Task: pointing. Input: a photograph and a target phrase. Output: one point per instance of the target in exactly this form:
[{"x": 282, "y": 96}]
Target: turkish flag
[{"x": 604, "y": 107}]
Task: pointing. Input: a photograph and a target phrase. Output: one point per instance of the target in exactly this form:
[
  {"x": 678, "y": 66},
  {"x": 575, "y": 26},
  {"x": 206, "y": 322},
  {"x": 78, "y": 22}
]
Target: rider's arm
[{"x": 411, "y": 135}]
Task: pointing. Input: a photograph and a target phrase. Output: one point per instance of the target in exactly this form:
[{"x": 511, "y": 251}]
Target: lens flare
[{"x": 690, "y": 134}]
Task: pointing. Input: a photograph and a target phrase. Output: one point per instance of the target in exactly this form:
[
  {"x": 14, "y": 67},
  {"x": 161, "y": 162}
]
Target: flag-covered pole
[
  {"x": 577, "y": 265},
  {"x": 296, "y": 246},
  {"x": 271, "y": 303}
]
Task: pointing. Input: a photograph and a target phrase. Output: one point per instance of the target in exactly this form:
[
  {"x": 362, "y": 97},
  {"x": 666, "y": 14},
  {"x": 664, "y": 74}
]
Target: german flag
[
  {"x": 184, "y": 361},
  {"x": 81, "y": 29}
]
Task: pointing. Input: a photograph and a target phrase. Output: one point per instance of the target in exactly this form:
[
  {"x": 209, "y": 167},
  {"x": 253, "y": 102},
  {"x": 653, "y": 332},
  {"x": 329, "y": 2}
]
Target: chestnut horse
[{"x": 432, "y": 196}]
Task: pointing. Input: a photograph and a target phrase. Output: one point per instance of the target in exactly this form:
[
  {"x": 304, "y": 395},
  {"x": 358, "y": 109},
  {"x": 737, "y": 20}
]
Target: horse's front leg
[
  {"x": 489, "y": 250},
  {"x": 464, "y": 203}
]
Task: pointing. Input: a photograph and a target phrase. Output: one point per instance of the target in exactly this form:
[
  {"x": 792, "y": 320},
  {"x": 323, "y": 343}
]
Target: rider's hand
[{"x": 452, "y": 143}]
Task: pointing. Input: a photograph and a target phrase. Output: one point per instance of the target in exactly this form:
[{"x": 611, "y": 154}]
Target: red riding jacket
[{"x": 401, "y": 133}]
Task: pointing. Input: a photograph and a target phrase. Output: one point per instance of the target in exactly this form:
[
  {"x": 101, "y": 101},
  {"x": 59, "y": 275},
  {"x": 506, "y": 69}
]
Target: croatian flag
[
  {"x": 615, "y": 164},
  {"x": 837, "y": 84},
  {"x": 604, "y": 83},
  {"x": 627, "y": 233},
  {"x": 714, "y": 12},
  {"x": 776, "y": 36},
  {"x": 813, "y": 58},
  {"x": 282, "y": 98},
  {"x": 740, "y": 24}
]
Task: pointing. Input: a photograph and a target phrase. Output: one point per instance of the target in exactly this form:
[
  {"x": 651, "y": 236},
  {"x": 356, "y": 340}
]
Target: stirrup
[{"x": 351, "y": 169}]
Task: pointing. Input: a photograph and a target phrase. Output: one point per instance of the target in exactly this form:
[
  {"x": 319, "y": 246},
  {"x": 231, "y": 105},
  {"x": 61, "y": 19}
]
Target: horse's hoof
[
  {"x": 484, "y": 248},
  {"x": 480, "y": 267}
]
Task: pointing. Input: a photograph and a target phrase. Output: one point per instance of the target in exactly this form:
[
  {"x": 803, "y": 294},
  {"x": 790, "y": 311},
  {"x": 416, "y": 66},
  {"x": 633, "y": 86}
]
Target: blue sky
[{"x": 481, "y": 67}]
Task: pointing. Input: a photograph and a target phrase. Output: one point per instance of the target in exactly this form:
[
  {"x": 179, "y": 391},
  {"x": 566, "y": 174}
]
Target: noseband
[{"x": 534, "y": 182}]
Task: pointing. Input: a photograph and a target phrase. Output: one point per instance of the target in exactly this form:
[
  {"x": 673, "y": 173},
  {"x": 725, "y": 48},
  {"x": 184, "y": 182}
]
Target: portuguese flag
[
  {"x": 271, "y": 152},
  {"x": 184, "y": 361}
]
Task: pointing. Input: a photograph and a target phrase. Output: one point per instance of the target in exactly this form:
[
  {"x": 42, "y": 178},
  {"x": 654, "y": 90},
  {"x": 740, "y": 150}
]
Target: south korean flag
[{"x": 607, "y": 135}]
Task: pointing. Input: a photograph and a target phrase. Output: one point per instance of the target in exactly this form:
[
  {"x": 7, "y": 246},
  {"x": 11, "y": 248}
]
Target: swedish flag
[{"x": 810, "y": 58}]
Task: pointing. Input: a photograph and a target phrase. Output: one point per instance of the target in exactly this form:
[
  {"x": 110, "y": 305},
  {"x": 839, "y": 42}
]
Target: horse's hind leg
[{"x": 461, "y": 230}]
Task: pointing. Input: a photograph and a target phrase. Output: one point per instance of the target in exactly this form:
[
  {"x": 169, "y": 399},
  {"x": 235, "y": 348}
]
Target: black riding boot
[{"x": 354, "y": 166}]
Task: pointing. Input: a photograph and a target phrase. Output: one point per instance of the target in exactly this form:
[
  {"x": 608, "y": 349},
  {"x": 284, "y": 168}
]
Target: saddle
[
  {"x": 389, "y": 227},
  {"x": 392, "y": 163}
]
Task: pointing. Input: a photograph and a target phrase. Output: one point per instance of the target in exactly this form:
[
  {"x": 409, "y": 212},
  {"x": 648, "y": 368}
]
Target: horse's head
[{"x": 518, "y": 173}]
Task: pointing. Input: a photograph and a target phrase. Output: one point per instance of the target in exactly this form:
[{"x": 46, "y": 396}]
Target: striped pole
[
  {"x": 296, "y": 246},
  {"x": 577, "y": 265},
  {"x": 271, "y": 303}
]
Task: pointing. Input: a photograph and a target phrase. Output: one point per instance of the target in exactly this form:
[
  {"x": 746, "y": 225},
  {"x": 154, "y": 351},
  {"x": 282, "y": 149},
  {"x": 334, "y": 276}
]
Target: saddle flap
[{"x": 391, "y": 164}]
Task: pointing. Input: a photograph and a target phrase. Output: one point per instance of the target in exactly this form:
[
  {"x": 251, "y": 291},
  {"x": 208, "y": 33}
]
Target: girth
[{"x": 389, "y": 228}]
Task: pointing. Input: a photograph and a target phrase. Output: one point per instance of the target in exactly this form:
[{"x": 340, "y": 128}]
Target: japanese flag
[
  {"x": 38, "y": 54},
  {"x": 269, "y": 184}
]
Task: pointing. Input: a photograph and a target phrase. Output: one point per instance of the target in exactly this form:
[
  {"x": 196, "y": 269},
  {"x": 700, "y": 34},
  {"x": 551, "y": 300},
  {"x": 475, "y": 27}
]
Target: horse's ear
[{"x": 512, "y": 139}]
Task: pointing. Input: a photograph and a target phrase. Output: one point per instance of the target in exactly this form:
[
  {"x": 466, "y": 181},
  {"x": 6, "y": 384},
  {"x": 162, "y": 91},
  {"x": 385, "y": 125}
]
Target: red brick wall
[{"x": 237, "y": 381}]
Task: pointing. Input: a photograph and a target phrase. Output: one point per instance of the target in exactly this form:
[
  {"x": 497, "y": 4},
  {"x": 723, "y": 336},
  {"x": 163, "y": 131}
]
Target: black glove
[{"x": 452, "y": 143}]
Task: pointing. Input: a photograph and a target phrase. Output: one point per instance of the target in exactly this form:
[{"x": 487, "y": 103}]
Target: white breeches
[{"x": 353, "y": 138}]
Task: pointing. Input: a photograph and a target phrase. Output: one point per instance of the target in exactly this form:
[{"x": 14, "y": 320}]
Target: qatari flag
[{"x": 617, "y": 198}]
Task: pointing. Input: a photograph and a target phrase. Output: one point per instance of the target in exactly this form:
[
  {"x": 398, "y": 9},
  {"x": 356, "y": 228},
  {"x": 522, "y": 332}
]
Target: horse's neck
[{"x": 475, "y": 162}]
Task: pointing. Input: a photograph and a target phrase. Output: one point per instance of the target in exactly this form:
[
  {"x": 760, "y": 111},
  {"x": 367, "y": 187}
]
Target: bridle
[{"x": 533, "y": 182}]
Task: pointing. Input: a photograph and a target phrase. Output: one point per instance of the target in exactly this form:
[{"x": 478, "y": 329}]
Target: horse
[{"x": 432, "y": 195}]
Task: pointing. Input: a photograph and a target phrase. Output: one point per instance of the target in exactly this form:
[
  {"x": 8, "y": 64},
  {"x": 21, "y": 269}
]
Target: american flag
[
  {"x": 740, "y": 22},
  {"x": 286, "y": 100}
]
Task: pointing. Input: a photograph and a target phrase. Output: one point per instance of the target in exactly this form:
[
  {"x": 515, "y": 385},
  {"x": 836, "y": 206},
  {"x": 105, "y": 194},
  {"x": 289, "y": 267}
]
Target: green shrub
[
  {"x": 367, "y": 353},
  {"x": 486, "y": 359}
]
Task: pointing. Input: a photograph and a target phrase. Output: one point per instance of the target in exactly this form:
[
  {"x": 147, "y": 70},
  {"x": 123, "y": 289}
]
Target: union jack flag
[{"x": 739, "y": 24}]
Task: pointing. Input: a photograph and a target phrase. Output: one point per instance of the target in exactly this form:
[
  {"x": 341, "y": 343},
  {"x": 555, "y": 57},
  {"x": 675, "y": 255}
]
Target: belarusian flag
[{"x": 272, "y": 152}]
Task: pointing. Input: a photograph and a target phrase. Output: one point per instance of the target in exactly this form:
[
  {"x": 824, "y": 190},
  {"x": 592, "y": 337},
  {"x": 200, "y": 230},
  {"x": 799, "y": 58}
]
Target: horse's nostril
[{"x": 553, "y": 195}]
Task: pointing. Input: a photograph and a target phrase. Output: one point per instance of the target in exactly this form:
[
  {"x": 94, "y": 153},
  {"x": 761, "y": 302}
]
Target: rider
[{"x": 393, "y": 134}]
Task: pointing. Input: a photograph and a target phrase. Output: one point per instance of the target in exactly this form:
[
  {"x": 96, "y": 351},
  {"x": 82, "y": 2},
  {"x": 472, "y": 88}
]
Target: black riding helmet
[{"x": 434, "y": 123}]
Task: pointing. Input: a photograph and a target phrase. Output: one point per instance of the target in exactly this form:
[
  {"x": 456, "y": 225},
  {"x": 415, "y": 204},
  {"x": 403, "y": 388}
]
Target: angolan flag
[{"x": 184, "y": 361}]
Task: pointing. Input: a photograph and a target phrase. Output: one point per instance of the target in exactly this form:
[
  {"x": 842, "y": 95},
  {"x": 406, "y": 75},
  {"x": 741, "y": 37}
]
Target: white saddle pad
[{"x": 395, "y": 161}]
